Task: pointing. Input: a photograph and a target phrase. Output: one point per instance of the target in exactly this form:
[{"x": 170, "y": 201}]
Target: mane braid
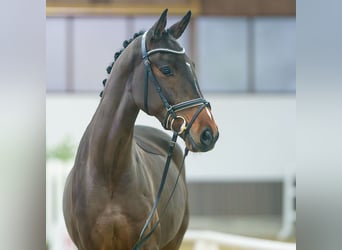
[{"x": 117, "y": 54}]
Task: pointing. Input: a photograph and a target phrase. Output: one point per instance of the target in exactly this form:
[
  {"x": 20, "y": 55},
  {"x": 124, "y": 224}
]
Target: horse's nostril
[{"x": 207, "y": 137}]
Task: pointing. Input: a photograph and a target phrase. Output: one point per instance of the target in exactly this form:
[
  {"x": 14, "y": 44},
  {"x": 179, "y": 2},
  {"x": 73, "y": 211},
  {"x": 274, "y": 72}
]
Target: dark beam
[{"x": 248, "y": 7}]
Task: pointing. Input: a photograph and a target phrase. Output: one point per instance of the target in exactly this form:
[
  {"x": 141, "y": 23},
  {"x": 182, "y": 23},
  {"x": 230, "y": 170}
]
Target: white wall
[{"x": 257, "y": 133}]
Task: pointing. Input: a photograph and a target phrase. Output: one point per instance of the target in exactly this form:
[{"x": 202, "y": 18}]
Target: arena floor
[
  {"x": 263, "y": 227},
  {"x": 266, "y": 227}
]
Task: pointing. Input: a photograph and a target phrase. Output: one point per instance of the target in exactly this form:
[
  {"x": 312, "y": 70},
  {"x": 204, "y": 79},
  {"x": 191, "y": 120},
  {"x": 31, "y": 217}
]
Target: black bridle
[
  {"x": 171, "y": 116},
  {"x": 171, "y": 110}
]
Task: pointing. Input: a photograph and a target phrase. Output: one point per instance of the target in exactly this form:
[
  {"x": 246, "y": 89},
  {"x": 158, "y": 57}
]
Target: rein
[
  {"x": 142, "y": 239},
  {"x": 171, "y": 116}
]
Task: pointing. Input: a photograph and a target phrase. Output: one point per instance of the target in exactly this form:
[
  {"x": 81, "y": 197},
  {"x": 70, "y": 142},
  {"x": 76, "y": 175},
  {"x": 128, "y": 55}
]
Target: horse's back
[{"x": 155, "y": 141}]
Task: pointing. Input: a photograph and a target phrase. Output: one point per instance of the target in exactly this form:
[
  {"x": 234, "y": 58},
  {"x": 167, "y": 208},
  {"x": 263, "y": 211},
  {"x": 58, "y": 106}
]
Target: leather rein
[{"x": 171, "y": 116}]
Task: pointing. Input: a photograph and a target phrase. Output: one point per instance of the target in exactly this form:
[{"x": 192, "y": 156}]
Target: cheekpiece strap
[{"x": 149, "y": 74}]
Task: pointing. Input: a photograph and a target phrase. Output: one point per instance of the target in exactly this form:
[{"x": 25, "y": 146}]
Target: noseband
[
  {"x": 171, "y": 110},
  {"x": 171, "y": 116}
]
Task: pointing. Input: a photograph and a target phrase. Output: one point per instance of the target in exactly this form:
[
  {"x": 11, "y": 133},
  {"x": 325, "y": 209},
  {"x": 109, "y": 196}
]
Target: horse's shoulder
[{"x": 152, "y": 140}]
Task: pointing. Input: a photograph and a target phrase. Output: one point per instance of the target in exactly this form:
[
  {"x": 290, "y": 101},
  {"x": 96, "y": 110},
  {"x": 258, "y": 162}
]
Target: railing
[
  {"x": 56, "y": 174},
  {"x": 210, "y": 240},
  {"x": 289, "y": 206}
]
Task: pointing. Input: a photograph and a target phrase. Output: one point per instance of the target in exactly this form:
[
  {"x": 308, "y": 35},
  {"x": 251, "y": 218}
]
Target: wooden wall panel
[
  {"x": 166, "y": 2},
  {"x": 176, "y": 7},
  {"x": 120, "y": 7},
  {"x": 235, "y": 198},
  {"x": 249, "y": 7}
]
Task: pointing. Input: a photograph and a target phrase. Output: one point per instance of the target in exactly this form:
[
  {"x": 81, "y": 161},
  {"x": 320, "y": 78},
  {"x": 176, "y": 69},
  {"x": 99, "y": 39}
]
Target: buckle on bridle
[
  {"x": 146, "y": 61},
  {"x": 169, "y": 108},
  {"x": 182, "y": 127}
]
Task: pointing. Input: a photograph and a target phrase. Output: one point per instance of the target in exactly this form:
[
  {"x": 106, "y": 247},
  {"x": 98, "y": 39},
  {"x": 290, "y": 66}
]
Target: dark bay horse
[{"x": 111, "y": 189}]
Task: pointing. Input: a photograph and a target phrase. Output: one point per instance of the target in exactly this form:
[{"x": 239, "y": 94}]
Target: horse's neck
[{"x": 112, "y": 127}]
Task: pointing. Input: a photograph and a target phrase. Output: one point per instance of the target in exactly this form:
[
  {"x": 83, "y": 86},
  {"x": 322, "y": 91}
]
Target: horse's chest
[
  {"x": 119, "y": 225},
  {"x": 112, "y": 227}
]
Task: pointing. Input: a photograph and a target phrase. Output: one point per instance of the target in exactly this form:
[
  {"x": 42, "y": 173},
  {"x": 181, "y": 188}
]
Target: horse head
[{"x": 171, "y": 90}]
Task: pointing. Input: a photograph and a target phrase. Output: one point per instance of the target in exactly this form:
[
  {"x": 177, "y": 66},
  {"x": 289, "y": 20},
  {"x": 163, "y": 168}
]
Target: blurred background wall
[{"x": 244, "y": 52}]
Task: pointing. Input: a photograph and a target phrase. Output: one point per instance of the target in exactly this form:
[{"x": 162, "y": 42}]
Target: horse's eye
[{"x": 166, "y": 70}]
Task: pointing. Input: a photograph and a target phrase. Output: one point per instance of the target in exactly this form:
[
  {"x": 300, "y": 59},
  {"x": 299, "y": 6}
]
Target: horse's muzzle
[{"x": 207, "y": 141}]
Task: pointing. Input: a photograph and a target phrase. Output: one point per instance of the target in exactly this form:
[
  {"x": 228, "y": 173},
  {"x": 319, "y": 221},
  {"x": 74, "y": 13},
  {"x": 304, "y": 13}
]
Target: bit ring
[{"x": 182, "y": 127}]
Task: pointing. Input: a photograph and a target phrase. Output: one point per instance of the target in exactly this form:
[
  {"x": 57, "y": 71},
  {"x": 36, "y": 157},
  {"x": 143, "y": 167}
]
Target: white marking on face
[{"x": 209, "y": 113}]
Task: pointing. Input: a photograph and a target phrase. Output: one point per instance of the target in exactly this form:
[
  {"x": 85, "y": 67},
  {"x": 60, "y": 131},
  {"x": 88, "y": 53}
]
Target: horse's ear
[
  {"x": 159, "y": 27},
  {"x": 178, "y": 28}
]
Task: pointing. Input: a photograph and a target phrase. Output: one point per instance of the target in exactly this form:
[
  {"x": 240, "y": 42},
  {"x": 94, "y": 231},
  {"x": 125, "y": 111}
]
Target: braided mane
[{"x": 117, "y": 54}]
